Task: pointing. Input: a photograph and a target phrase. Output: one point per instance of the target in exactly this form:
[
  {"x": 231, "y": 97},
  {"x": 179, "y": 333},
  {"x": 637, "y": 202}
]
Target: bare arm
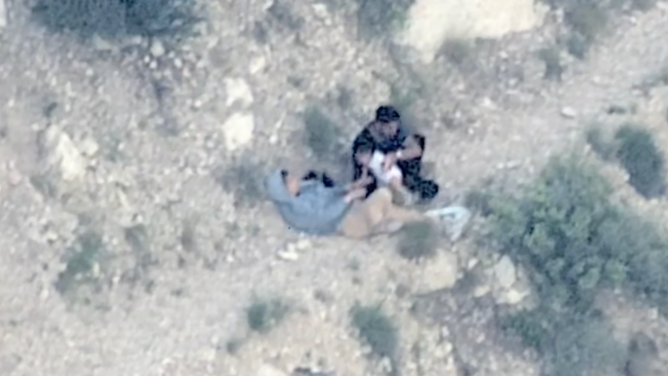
[{"x": 411, "y": 150}]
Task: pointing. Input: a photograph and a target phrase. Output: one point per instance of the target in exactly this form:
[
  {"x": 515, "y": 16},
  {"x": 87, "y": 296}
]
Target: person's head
[
  {"x": 363, "y": 154},
  {"x": 387, "y": 121},
  {"x": 291, "y": 182}
]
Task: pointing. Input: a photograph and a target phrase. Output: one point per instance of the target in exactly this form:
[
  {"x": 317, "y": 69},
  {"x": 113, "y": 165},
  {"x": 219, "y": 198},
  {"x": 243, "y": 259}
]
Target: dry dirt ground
[{"x": 115, "y": 166}]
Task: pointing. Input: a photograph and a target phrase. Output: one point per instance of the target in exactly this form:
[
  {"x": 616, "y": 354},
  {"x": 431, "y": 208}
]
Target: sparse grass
[
  {"x": 282, "y": 13},
  {"x": 244, "y": 179},
  {"x": 81, "y": 261},
  {"x": 264, "y": 314},
  {"x": 418, "y": 240},
  {"x": 113, "y": 19},
  {"x": 322, "y": 135},
  {"x": 642, "y": 159},
  {"x": 479, "y": 200},
  {"x": 643, "y": 5},
  {"x": 552, "y": 59},
  {"x": 376, "y": 330},
  {"x": 601, "y": 143},
  {"x": 376, "y": 18},
  {"x": 458, "y": 51}
]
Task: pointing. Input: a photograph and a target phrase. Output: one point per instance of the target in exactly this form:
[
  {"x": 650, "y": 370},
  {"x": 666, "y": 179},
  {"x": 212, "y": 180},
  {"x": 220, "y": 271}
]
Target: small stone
[
  {"x": 238, "y": 130},
  {"x": 257, "y": 65},
  {"x": 238, "y": 91},
  {"x": 320, "y": 11},
  {"x": 100, "y": 44},
  {"x": 89, "y": 147},
  {"x": 481, "y": 291},
  {"x": 157, "y": 49},
  {"x": 568, "y": 112},
  {"x": 440, "y": 272},
  {"x": 504, "y": 271},
  {"x": 303, "y": 244},
  {"x": 269, "y": 370},
  {"x": 514, "y": 296},
  {"x": 288, "y": 254}
]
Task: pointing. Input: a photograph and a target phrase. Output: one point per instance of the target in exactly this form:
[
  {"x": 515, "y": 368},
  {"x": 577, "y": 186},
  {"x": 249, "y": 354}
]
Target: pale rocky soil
[{"x": 132, "y": 151}]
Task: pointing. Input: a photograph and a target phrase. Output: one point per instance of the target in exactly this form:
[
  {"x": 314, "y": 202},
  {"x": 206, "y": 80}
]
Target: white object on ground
[
  {"x": 455, "y": 219},
  {"x": 383, "y": 176}
]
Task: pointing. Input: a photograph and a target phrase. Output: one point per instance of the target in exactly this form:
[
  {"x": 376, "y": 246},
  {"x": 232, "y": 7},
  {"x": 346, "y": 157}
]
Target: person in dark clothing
[{"x": 387, "y": 135}]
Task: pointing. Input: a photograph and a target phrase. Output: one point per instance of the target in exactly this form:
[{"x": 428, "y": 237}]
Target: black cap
[{"x": 387, "y": 114}]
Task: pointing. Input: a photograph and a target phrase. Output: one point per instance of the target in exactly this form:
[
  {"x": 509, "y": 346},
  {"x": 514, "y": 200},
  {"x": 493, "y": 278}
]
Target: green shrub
[
  {"x": 377, "y": 331},
  {"x": 245, "y": 179},
  {"x": 81, "y": 260},
  {"x": 380, "y": 17},
  {"x": 118, "y": 18},
  {"x": 553, "y": 67},
  {"x": 323, "y": 136},
  {"x": 601, "y": 143},
  {"x": 458, "y": 51},
  {"x": 264, "y": 314},
  {"x": 642, "y": 159},
  {"x": 572, "y": 241},
  {"x": 570, "y": 344},
  {"x": 418, "y": 240}
]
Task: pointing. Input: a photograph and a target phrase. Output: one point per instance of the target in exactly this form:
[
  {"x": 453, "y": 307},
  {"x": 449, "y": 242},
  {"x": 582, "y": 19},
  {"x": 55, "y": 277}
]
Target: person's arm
[{"x": 411, "y": 150}]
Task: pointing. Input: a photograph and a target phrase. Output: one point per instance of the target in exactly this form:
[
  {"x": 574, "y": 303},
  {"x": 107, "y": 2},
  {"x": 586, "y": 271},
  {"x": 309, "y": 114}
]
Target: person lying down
[{"x": 313, "y": 207}]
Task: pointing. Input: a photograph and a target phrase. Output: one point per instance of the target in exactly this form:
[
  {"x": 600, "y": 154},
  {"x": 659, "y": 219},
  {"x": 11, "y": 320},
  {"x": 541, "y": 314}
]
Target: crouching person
[{"x": 312, "y": 207}]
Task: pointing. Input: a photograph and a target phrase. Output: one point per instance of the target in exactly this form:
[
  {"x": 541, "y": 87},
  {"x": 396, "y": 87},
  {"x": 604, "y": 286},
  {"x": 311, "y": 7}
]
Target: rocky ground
[{"x": 129, "y": 247}]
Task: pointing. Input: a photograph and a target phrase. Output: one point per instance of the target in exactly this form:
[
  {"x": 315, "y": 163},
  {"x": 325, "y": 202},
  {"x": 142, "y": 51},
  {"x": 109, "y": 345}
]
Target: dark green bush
[
  {"x": 264, "y": 314},
  {"x": 418, "y": 240},
  {"x": 118, "y": 18},
  {"x": 572, "y": 241},
  {"x": 571, "y": 345},
  {"x": 323, "y": 136},
  {"x": 376, "y": 330},
  {"x": 379, "y": 17},
  {"x": 642, "y": 159}
]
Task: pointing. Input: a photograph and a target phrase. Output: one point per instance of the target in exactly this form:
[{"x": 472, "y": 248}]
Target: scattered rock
[
  {"x": 157, "y": 49},
  {"x": 504, "y": 271},
  {"x": 269, "y": 370},
  {"x": 238, "y": 91},
  {"x": 101, "y": 44},
  {"x": 568, "y": 113},
  {"x": 257, "y": 65},
  {"x": 89, "y": 147},
  {"x": 513, "y": 296},
  {"x": 431, "y": 22},
  {"x": 65, "y": 154},
  {"x": 440, "y": 272},
  {"x": 238, "y": 130}
]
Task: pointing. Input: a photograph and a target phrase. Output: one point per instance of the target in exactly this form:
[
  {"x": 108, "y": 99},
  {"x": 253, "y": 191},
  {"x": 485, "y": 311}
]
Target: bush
[
  {"x": 379, "y": 17},
  {"x": 377, "y": 331},
  {"x": 573, "y": 241},
  {"x": 553, "y": 67},
  {"x": 323, "y": 136},
  {"x": 642, "y": 160},
  {"x": 601, "y": 143},
  {"x": 118, "y": 18},
  {"x": 418, "y": 240},
  {"x": 458, "y": 51},
  {"x": 571, "y": 345},
  {"x": 80, "y": 264},
  {"x": 264, "y": 314},
  {"x": 245, "y": 179}
]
